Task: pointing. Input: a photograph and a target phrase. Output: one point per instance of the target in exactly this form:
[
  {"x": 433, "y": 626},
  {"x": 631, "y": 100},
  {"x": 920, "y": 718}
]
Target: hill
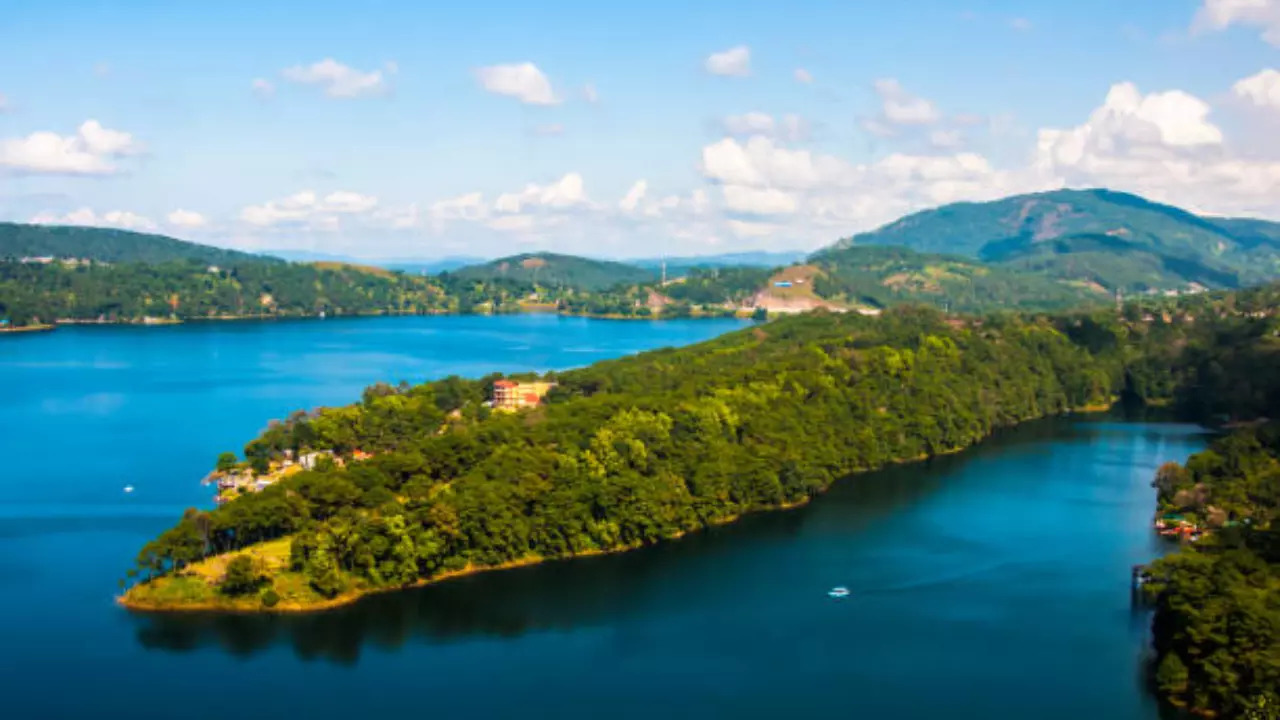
[
  {"x": 36, "y": 293},
  {"x": 1114, "y": 239},
  {"x": 413, "y": 266},
  {"x": 18, "y": 240},
  {"x": 552, "y": 270},
  {"x": 884, "y": 276}
]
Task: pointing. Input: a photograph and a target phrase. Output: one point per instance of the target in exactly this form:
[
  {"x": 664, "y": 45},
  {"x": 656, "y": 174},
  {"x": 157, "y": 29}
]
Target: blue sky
[{"x": 408, "y": 129}]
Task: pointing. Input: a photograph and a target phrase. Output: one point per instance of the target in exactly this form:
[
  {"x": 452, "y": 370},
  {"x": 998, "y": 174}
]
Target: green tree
[
  {"x": 226, "y": 462},
  {"x": 241, "y": 576}
]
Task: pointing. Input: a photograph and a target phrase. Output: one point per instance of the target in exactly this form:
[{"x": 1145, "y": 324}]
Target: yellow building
[{"x": 512, "y": 395}]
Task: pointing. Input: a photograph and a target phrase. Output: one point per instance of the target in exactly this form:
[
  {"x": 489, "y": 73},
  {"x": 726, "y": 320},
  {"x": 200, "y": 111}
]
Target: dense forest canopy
[
  {"x": 33, "y": 292},
  {"x": 1217, "y": 621},
  {"x": 885, "y": 276},
  {"x": 558, "y": 271},
  {"x": 109, "y": 245}
]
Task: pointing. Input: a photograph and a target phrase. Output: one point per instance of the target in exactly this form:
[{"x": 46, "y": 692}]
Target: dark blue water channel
[{"x": 990, "y": 584}]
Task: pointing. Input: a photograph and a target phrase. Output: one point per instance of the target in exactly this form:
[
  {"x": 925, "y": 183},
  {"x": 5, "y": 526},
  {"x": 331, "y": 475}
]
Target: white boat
[
  {"x": 838, "y": 592},
  {"x": 128, "y": 488}
]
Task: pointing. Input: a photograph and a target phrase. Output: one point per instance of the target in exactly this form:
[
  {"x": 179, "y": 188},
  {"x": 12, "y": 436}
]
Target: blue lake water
[{"x": 991, "y": 584}]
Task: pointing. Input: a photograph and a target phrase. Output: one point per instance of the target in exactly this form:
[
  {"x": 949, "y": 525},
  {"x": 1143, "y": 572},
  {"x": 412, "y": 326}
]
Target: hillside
[
  {"x": 1114, "y": 239},
  {"x": 35, "y": 293},
  {"x": 552, "y": 270},
  {"x": 110, "y": 245},
  {"x": 883, "y": 276}
]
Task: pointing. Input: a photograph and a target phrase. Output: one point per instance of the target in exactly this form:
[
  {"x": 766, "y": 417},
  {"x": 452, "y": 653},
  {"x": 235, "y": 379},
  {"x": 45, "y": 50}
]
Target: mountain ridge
[{"x": 1117, "y": 239}]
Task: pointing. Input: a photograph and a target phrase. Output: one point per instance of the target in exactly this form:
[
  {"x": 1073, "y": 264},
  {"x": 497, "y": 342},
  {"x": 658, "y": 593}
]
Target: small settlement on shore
[{"x": 507, "y": 396}]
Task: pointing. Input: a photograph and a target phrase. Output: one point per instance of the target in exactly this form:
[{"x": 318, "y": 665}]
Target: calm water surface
[{"x": 993, "y": 584}]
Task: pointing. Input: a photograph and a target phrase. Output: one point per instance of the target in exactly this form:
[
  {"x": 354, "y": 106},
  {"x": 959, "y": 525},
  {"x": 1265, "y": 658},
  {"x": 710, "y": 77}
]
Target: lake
[{"x": 990, "y": 584}]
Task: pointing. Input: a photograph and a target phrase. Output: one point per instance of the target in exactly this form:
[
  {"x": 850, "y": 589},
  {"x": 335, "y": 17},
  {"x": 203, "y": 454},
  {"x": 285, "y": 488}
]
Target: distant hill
[
  {"x": 413, "y": 266},
  {"x": 884, "y": 276},
  {"x": 110, "y": 245},
  {"x": 761, "y": 259},
  {"x": 1111, "y": 238},
  {"x": 552, "y": 270},
  {"x": 430, "y": 267}
]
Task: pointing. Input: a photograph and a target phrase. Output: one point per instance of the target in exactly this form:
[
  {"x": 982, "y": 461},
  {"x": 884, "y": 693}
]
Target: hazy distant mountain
[
  {"x": 430, "y": 267},
  {"x": 1115, "y": 239},
  {"x": 552, "y": 270},
  {"x": 110, "y": 245},
  {"x": 413, "y": 266},
  {"x": 678, "y": 265}
]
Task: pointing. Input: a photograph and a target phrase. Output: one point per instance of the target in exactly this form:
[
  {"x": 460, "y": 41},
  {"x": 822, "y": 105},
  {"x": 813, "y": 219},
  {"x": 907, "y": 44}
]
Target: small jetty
[{"x": 1137, "y": 586}]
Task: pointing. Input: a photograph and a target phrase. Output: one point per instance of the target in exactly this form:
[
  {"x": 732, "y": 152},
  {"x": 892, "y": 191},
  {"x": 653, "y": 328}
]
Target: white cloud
[
  {"x": 757, "y": 201},
  {"x": 743, "y": 228},
  {"x": 1130, "y": 126},
  {"x": 761, "y": 163},
  {"x": 1021, "y": 24},
  {"x": 563, "y": 193},
  {"x": 4, "y": 103},
  {"x": 589, "y": 93},
  {"x": 89, "y": 152},
  {"x": 464, "y": 207},
  {"x": 535, "y": 208},
  {"x": 946, "y": 139},
  {"x": 347, "y": 202},
  {"x": 309, "y": 209},
  {"x": 733, "y": 62},
  {"x": 186, "y": 219},
  {"x": 1220, "y": 14},
  {"x": 1163, "y": 146},
  {"x": 899, "y": 107},
  {"x": 788, "y": 127},
  {"x": 803, "y": 76},
  {"x": 633, "y": 197},
  {"x": 102, "y": 141},
  {"x": 263, "y": 88},
  {"x": 337, "y": 80},
  {"x": 1262, "y": 89},
  {"x": 751, "y": 123},
  {"x": 512, "y": 223},
  {"x": 522, "y": 81},
  {"x": 87, "y": 217}
]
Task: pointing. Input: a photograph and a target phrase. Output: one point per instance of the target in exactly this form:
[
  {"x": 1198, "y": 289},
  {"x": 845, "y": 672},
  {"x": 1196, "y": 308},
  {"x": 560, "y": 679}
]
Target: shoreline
[
  {"x": 158, "y": 323},
  {"x": 21, "y": 329},
  {"x": 253, "y": 605}
]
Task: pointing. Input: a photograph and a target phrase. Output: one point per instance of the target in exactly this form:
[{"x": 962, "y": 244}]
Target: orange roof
[{"x": 504, "y": 384}]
